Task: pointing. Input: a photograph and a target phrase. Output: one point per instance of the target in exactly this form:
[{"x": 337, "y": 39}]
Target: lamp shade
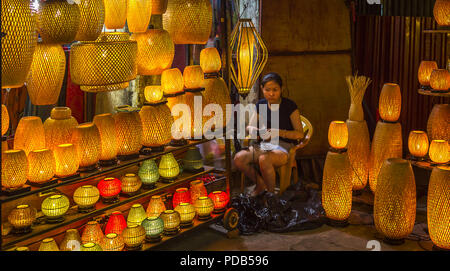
[
  {"x": 193, "y": 77},
  {"x": 210, "y": 61},
  {"x": 131, "y": 183},
  {"x": 159, "y": 6},
  {"x": 155, "y": 206},
  {"x": 181, "y": 195},
  {"x": 216, "y": 92},
  {"x": 136, "y": 215},
  {"x": 46, "y": 74},
  {"x": 154, "y": 227},
  {"x": 66, "y": 160},
  {"x": 395, "y": 199},
  {"x": 91, "y": 247},
  {"x": 58, "y": 21},
  {"x": 441, "y": 12},
  {"x": 438, "y": 213},
  {"x": 172, "y": 81},
  {"x": 92, "y": 233},
  {"x": 418, "y": 143},
  {"x": 188, "y": 21},
  {"x": 106, "y": 127},
  {"x": 197, "y": 189},
  {"x": 112, "y": 242},
  {"x": 58, "y": 127},
  {"x": 139, "y": 13},
  {"x": 440, "y": 80},
  {"x": 54, "y": 207},
  {"x": 22, "y": 217},
  {"x": 424, "y": 73},
  {"x": 19, "y": 43},
  {"x": 86, "y": 139},
  {"x": 438, "y": 125},
  {"x": 157, "y": 124},
  {"x": 193, "y": 160},
  {"x": 390, "y": 103},
  {"x": 198, "y": 121},
  {"x": 41, "y": 166},
  {"x": 133, "y": 236},
  {"x": 116, "y": 223},
  {"x": 153, "y": 94},
  {"x": 171, "y": 221},
  {"x": 29, "y": 134},
  {"x": 168, "y": 166},
  {"x": 358, "y": 149},
  {"x": 148, "y": 172},
  {"x": 187, "y": 214},
  {"x": 48, "y": 244},
  {"x": 71, "y": 241},
  {"x": 128, "y": 132},
  {"x": 220, "y": 200},
  {"x": 204, "y": 207},
  {"x": 14, "y": 169},
  {"x": 155, "y": 51},
  {"x": 86, "y": 197},
  {"x": 338, "y": 134},
  {"x": 115, "y": 13},
  {"x": 92, "y": 18},
  {"x": 109, "y": 188},
  {"x": 439, "y": 151},
  {"x": 5, "y": 119}
]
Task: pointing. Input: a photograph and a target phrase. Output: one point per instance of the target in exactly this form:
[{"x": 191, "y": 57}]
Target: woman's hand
[{"x": 271, "y": 133}]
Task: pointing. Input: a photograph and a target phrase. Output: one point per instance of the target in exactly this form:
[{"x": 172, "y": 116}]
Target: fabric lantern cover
[
  {"x": 139, "y": 13},
  {"x": 438, "y": 125},
  {"x": 86, "y": 139},
  {"x": 59, "y": 127},
  {"x": 29, "y": 134},
  {"x": 41, "y": 166},
  {"x": 14, "y": 169},
  {"x": 92, "y": 18},
  {"x": 424, "y": 73}
]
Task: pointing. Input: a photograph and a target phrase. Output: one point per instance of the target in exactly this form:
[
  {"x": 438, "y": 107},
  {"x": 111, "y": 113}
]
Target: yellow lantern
[
  {"x": 394, "y": 209},
  {"x": 66, "y": 159},
  {"x": 171, "y": 221},
  {"x": 193, "y": 77},
  {"x": 159, "y": 7},
  {"x": 133, "y": 237},
  {"x": 172, "y": 82},
  {"x": 29, "y": 134},
  {"x": 155, "y": 51},
  {"x": 155, "y": 206},
  {"x": 86, "y": 197},
  {"x": 41, "y": 166},
  {"x": 210, "y": 61},
  {"x": 86, "y": 139},
  {"x": 187, "y": 214},
  {"x": 390, "y": 103},
  {"x": 48, "y": 244},
  {"x": 157, "y": 123},
  {"x": 92, "y": 233},
  {"x": 418, "y": 144},
  {"x": 14, "y": 169},
  {"x": 115, "y": 13},
  {"x": 153, "y": 94},
  {"x": 19, "y": 42},
  {"x": 131, "y": 183},
  {"x": 439, "y": 151},
  {"x": 128, "y": 128},
  {"x": 54, "y": 208},
  {"x": 112, "y": 242},
  {"x": 216, "y": 92},
  {"x": 441, "y": 12},
  {"x": 21, "y": 218},
  {"x": 139, "y": 13},
  {"x": 168, "y": 167},
  {"x": 5, "y": 119},
  {"x": 438, "y": 213},
  {"x": 91, "y": 247},
  {"x": 59, "y": 127},
  {"x": 136, "y": 215},
  {"x": 358, "y": 149},
  {"x": 438, "y": 125},
  {"x": 440, "y": 80},
  {"x": 188, "y": 21},
  {"x": 424, "y": 73},
  {"x": 92, "y": 17},
  {"x": 338, "y": 135},
  {"x": 198, "y": 121},
  {"x": 204, "y": 207},
  {"x": 173, "y": 100},
  {"x": 106, "y": 127}
]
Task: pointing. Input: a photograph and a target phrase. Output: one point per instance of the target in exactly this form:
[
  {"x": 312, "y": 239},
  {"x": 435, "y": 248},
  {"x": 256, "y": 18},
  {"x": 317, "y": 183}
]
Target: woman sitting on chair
[{"x": 290, "y": 132}]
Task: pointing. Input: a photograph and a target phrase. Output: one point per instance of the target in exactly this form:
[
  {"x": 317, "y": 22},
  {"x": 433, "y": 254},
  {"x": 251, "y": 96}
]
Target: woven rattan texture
[
  {"x": 41, "y": 166},
  {"x": 358, "y": 149},
  {"x": 156, "y": 125},
  {"x": 86, "y": 139},
  {"x": 106, "y": 127},
  {"x": 438, "y": 125},
  {"x": 115, "y": 13},
  {"x": 14, "y": 168},
  {"x": 29, "y": 134},
  {"x": 92, "y": 18},
  {"x": 66, "y": 159},
  {"x": 58, "y": 131},
  {"x": 128, "y": 132}
]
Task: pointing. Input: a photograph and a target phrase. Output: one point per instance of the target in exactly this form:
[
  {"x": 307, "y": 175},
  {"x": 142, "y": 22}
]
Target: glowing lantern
[
  {"x": 193, "y": 160},
  {"x": 131, "y": 184},
  {"x": 112, "y": 242},
  {"x": 187, "y": 214},
  {"x": 155, "y": 206},
  {"x": 157, "y": 123},
  {"x": 86, "y": 139},
  {"x": 149, "y": 174},
  {"x": 48, "y": 244},
  {"x": 439, "y": 151},
  {"x": 54, "y": 208},
  {"x": 128, "y": 134},
  {"x": 86, "y": 197},
  {"x": 220, "y": 200},
  {"x": 91, "y": 247},
  {"x": 418, "y": 144},
  {"x": 92, "y": 17},
  {"x": 139, "y": 13},
  {"x": 172, "y": 82},
  {"x": 216, "y": 92},
  {"x": 178, "y": 135},
  {"x": 21, "y": 218},
  {"x": 154, "y": 227},
  {"x": 92, "y": 233},
  {"x": 66, "y": 159},
  {"x": 22, "y": 249},
  {"x": 204, "y": 207},
  {"x": 153, "y": 94},
  {"x": 438, "y": 125},
  {"x": 193, "y": 77},
  {"x": 171, "y": 221},
  {"x": 210, "y": 61},
  {"x": 116, "y": 223},
  {"x": 440, "y": 80},
  {"x": 133, "y": 237},
  {"x": 168, "y": 167},
  {"x": 159, "y": 6},
  {"x": 106, "y": 127},
  {"x": 29, "y": 134},
  {"x": 197, "y": 189},
  {"x": 358, "y": 149},
  {"x": 5, "y": 120},
  {"x": 115, "y": 13},
  {"x": 59, "y": 127},
  {"x": 424, "y": 73},
  {"x": 109, "y": 189},
  {"x": 198, "y": 121},
  {"x": 41, "y": 166},
  {"x": 338, "y": 135},
  {"x": 136, "y": 215},
  {"x": 71, "y": 241},
  {"x": 441, "y": 12},
  {"x": 390, "y": 103},
  {"x": 181, "y": 195},
  {"x": 14, "y": 169}
]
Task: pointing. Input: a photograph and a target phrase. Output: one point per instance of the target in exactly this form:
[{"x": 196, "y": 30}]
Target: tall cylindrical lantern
[
  {"x": 154, "y": 227},
  {"x": 71, "y": 241},
  {"x": 128, "y": 134},
  {"x": 155, "y": 206},
  {"x": 197, "y": 189},
  {"x": 139, "y": 13},
  {"x": 115, "y": 13},
  {"x": 136, "y": 215},
  {"x": 54, "y": 208},
  {"x": 92, "y": 233},
  {"x": 439, "y": 151},
  {"x": 21, "y": 218},
  {"x": 5, "y": 119},
  {"x": 109, "y": 189},
  {"x": 86, "y": 139},
  {"x": 29, "y": 134},
  {"x": 112, "y": 242},
  {"x": 59, "y": 127},
  {"x": 418, "y": 144},
  {"x": 14, "y": 169},
  {"x": 171, "y": 221},
  {"x": 441, "y": 12},
  {"x": 133, "y": 237},
  {"x": 438, "y": 213},
  {"x": 66, "y": 159},
  {"x": 157, "y": 124},
  {"x": 41, "y": 166},
  {"x": 438, "y": 125},
  {"x": 390, "y": 102},
  {"x": 168, "y": 167},
  {"x": 86, "y": 197},
  {"x": 394, "y": 208},
  {"x": 131, "y": 183},
  {"x": 440, "y": 80},
  {"x": 358, "y": 149},
  {"x": 48, "y": 244},
  {"x": 116, "y": 223},
  {"x": 149, "y": 174},
  {"x": 106, "y": 127},
  {"x": 92, "y": 18},
  {"x": 424, "y": 73},
  {"x": 19, "y": 42}
]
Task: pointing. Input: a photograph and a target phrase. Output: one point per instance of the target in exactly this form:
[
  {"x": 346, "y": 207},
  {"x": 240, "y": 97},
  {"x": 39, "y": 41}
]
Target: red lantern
[
  {"x": 116, "y": 223},
  {"x": 109, "y": 189},
  {"x": 181, "y": 195},
  {"x": 220, "y": 199}
]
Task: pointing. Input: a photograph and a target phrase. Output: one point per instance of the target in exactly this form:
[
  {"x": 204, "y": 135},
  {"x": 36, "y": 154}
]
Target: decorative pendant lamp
[
  {"x": 155, "y": 206},
  {"x": 29, "y": 134},
  {"x": 59, "y": 127},
  {"x": 204, "y": 207},
  {"x": 92, "y": 18},
  {"x": 154, "y": 227},
  {"x": 440, "y": 80},
  {"x": 106, "y": 127},
  {"x": 155, "y": 51},
  {"x": 438, "y": 125},
  {"x": 41, "y": 166},
  {"x": 54, "y": 208},
  {"x": 115, "y": 13},
  {"x": 92, "y": 233},
  {"x": 58, "y": 21},
  {"x": 18, "y": 43},
  {"x": 171, "y": 221},
  {"x": 14, "y": 169},
  {"x": 197, "y": 189},
  {"x": 5, "y": 119},
  {"x": 48, "y": 244},
  {"x": 438, "y": 213},
  {"x": 394, "y": 210},
  {"x": 172, "y": 82},
  {"x": 220, "y": 200},
  {"x": 441, "y": 12},
  {"x": 139, "y": 13},
  {"x": 71, "y": 241},
  {"x": 21, "y": 218},
  {"x": 91, "y": 247},
  {"x": 66, "y": 159},
  {"x": 439, "y": 151},
  {"x": 168, "y": 168},
  {"x": 128, "y": 133},
  {"x": 136, "y": 215},
  {"x": 193, "y": 160},
  {"x": 390, "y": 103},
  {"x": 418, "y": 144},
  {"x": 149, "y": 174},
  {"x": 109, "y": 189},
  {"x": 181, "y": 195},
  {"x": 133, "y": 237},
  {"x": 188, "y": 21},
  {"x": 112, "y": 242},
  {"x": 250, "y": 56},
  {"x": 424, "y": 73},
  {"x": 187, "y": 214},
  {"x": 86, "y": 197},
  {"x": 86, "y": 139},
  {"x": 159, "y": 7},
  {"x": 116, "y": 223},
  {"x": 131, "y": 183}
]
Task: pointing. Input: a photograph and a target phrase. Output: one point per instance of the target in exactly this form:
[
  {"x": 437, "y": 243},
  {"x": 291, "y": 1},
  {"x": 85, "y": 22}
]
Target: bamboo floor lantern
[
  {"x": 107, "y": 129},
  {"x": 58, "y": 127},
  {"x": 438, "y": 125},
  {"x": 86, "y": 140},
  {"x": 424, "y": 73},
  {"x": 92, "y": 18},
  {"x": 29, "y": 134},
  {"x": 128, "y": 132}
]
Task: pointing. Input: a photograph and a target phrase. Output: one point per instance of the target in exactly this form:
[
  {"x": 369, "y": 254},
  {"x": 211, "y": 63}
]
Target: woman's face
[{"x": 272, "y": 92}]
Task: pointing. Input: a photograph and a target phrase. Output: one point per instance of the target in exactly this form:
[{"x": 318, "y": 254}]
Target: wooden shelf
[
  {"x": 429, "y": 93},
  {"x": 425, "y": 164}
]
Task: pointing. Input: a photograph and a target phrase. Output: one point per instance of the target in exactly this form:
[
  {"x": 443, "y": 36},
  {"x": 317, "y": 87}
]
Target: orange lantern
[
  {"x": 139, "y": 13},
  {"x": 41, "y": 166},
  {"x": 193, "y": 77},
  {"x": 115, "y": 13},
  {"x": 439, "y": 151},
  {"x": 153, "y": 94},
  {"x": 92, "y": 17},
  {"x": 198, "y": 121},
  {"x": 210, "y": 61},
  {"x": 179, "y": 136},
  {"x": 5, "y": 119},
  {"x": 424, "y": 73},
  {"x": 438, "y": 124},
  {"x": 92, "y": 233},
  {"x": 59, "y": 127},
  {"x": 220, "y": 200},
  {"x": 159, "y": 7},
  {"x": 29, "y": 135},
  {"x": 86, "y": 139},
  {"x": 156, "y": 126},
  {"x": 338, "y": 135},
  {"x": 441, "y": 12},
  {"x": 197, "y": 189},
  {"x": 14, "y": 169},
  {"x": 155, "y": 206},
  {"x": 418, "y": 144},
  {"x": 106, "y": 127},
  {"x": 66, "y": 158},
  {"x": 390, "y": 103},
  {"x": 112, "y": 241},
  {"x": 172, "y": 82},
  {"x": 216, "y": 92},
  {"x": 440, "y": 80},
  {"x": 131, "y": 183},
  {"x": 128, "y": 128}
]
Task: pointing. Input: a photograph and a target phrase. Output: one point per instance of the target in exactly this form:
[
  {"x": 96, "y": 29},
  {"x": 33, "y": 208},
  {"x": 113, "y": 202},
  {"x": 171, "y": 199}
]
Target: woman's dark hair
[{"x": 272, "y": 76}]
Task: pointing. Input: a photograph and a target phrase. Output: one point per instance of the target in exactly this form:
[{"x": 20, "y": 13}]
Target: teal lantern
[
  {"x": 154, "y": 227},
  {"x": 193, "y": 160},
  {"x": 149, "y": 174}
]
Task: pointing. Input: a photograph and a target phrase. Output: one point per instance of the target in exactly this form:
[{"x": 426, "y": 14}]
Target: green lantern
[
  {"x": 154, "y": 227},
  {"x": 149, "y": 174},
  {"x": 193, "y": 160}
]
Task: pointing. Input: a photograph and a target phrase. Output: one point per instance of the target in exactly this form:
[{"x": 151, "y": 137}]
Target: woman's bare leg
[
  {"x": 267, "y": 163},
  {"x": 242, "y": 161}
]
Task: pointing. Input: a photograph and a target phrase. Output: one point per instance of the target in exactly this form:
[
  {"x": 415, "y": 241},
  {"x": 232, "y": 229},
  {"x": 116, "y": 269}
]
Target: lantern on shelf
[
  {"x": 153, "y": 94},
  {"x": 59, "y": 127},
  {"x": 66, "y": 159},
  {"x": 390, "y": 103},
  {"x": 22, "y": 249},
  {"x": 193, "y": 160},
  {"x": 168, "y": 167},
  {"x": 210, "y": 61},
  {"x": 197, "y": 189},
  {"x": 187, "y": 214},
  {"x": 54, "y": 208},
  {"x": 86, "y": 197},
  {"x": 21, "y": 218},
  {"x": 171, "y": 221},
  {"x": 91, "y": 247},
  {"x": 154, "y": 227},
  {"x": 131, "y": 184},
  {"x": 358, "y": 149},
  {"x": 424, "y": 73},
  {"x": 29, "y": 134},
  {"x": 180, "y": 133},
  {"x": 159, "y": 7},
  {"x": 198, "y": 121},
  {"x": 71, "y": 241},
  {"x": 92, "y": 233},
  {"x": 139, "y": 13},
  {"x": 19, "y": 43},
  {"x": 172, "y": 82},
  {"x": 216, "y": 92},
  {"x": 155, "y": 51},
  {"x": 418, "y": 144},
  {"x": 112, "y": 242},
  {"x": 438, "y": 213},
  {"x": 181, "y": 195},
  {"x": 14, "y": 169},
  {"x": 116, "y": 223},
  {"x": 438, "y": 125},
  {"x": 155, "y": 206},
  {"x": 41, "y": 166},
  {"x": 106, "y": 127},
  {"x": 440, "y": 80},
  {"x": 48, "y": 244},
  {"x": 395, "y": 200},
  {"x": 5, "y": 119},
  {"x": 204, "y": 207},
  {"x": 338, "y": 135},
  {"x": 128, "y": 134},
  {"x": 109, "y": 189},
  {"x": 115, "y": 13},
  {"x": 133, "y": 237},
  {"x": 136, "y": 215},
  {"x": 193, "y": 77},
  {"x": 92, "y": 17},
  {"x": 441, "y": 12},
  {"x": 220, "y": 200},
  {"x": 86, "y": 139},
  {"x": 439, "y": 151},
  {"x": 149, "y": 174}
]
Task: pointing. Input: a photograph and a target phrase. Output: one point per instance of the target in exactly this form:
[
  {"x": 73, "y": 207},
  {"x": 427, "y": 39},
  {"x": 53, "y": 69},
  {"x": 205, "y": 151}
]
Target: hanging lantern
[
  {"x": 424, "y": 73},
  {"x": 131, "y": 184},
  {"x": 390, "y": 103},
  {"x": 139, "y": 13},
  {"x": 394, "y": 209},
  {"x": 14, "y": 169},
  {"x": 358, "y": 149},
  {"x": 41, "y": 166},
  {"x": 86, "y": 197},
  {"x": 44, "y": 81},
  {"x": 29, "y": 134},
  {"x": 438, "y": 213},
  {"x": 149, "y": 174},
  {"x": 106, "y": 127},
  {"x": 204, "y": 207},
  {"x": 116, "y": 223},
  {"x": 91, "y": 247},
  {"x": 21, "y": 218},
  {"x": 153, "y": 94},
  {"x": 71, "y": 241},
  {"x": 187, "y": 214},
  {"x": 172, "y": 82},
  {"x": 59, "y": 127},
  {"x": 168, "y": 167},
  {"x": 133, "y": 237},
  {"x": 441, "y": 12},
  {"x": 136, "y": 215},
  {"x": 157, "y": 124},
  {"x": 159, "y": 7},
  {"x": 48, "y": 244},
  {"x": 418, "y": 144},
  {"x": 197, "y": 189},
  {"x": 181, "y": 195},
  {"x": 92, "y": 18},
  {"x": 92, "y": 233},
  {"x": 128, "y": 134},
  {"x": 115, "y": 13},
  {"x": 109, "y": 189},
  {"x": 193, "y": 160},
  {"x": 58, "y": 21},
  {"x": 438, "y": 125},
  {"x": 171, "y": 221},
  {"x": 5, "y": 119},
  {"x": 86, "y": 139},
  {"x": 54, "y": 208},
  {"x": 18, "y": 43},
  {"x": 216, "y": 92},
  {"x": 220, "y": 200},
  {"x": 193, "y": 77},
  {"x": 154, "y": 227},
  {"x": 440, "y": 80},
  {"x": 210, "y": 61},
  {"x": 439, "y": 151},
  {"x": 155, "y": 51},
  {"x": 112, "y": 242},
  {"x": 338, "y": 135},
  {"x": 250, "y": 55},
  {"x": 155, "y": 206},
  {"x": 66, "y": 159}
]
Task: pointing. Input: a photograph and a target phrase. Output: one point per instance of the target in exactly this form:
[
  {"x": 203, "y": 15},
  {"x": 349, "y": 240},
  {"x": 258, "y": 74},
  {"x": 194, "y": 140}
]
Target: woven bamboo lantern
[
  {"x": 440, "y": 80},
  {"x": 197, "y": 189},
  {"x": 86, "y": 139},
  {"x": 418, "y": 144},
  {"x": 172, "y": 82},
  {"x": 136, "y": 215},
  {"x": 46, "y": 74},
  {"x": 358, "y": 149},
  {"x": 21, "y": 218},
  {"x": 91, "y": 247},
  {"x": 116, "y": 223},
  {"x": 193, "y": 160},
  {"x": 48, "y": 244},
  {"x": 154, "y": 227},
  {"x": 112, "y": 242},
  {"x": 92, "y": 233},
  {"x": 193, "y": 77},
  {"x": 5, "y": 119},
  {"x": 438, "y": 213},
  {"x": 153, "y": 94},
  {"x": 41, "y": 166},
  {"x": 115, "y": 13},
  {"x": 29, "y": 134},
  {"x": 155, "y": 206},
  {"x": 338, "y": 135},
  {"x": 424, "y": 73},
  {"x": 439, "y": 151},
  {"x": 157, "y": 123},
  {"x": 149, "y": 174},
  {"x": 131, "y": 183},
  {"x": 133, "y": 237},
  {"x": 386, "y": 143},
  {"x": 181, "y": 195},
  {"x": 438, "y": 125},
  {"x": 155, "y": 51},
  {"x": 187, "y": 214},
  {"x": 86, "y": 196},
  {"x": 66, "y": 158},
  {"x": 139, "y": 13},
  {"x": 204, "y": 206},
  {"x": 71, "y": 241},
  {"x": 198, "y": 121},
  {"x": 54, "y": 208},
  {"x": 180, "y": 134},
  {"x": 14, "y": 169},
  {"x": 19, "y": 43},
  {"x": 106, "y": 127},
  {"x": 92, "y": 18},
  {"x": 128, "y": 134},
  {"x": 109, "y": 189},
  {"x": 220, "y": 200},
  {"x": 395, "y": 200},
  {"x": 441, "y": 12},
  {"x": 59, "y": 127},
  {"x": 159, "y": 7},
  {"x": 390, "y": 103},
  {"x": 171, "y": 221},
  {"x": 168, "y": 167},
  {"x": 210, "y": 61},
  {"x": 58, "y": 21},
  {"x": 188, "y": 21},
  {"x": 22, "y": 249},
  {"x": 216, "y": 92}
]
